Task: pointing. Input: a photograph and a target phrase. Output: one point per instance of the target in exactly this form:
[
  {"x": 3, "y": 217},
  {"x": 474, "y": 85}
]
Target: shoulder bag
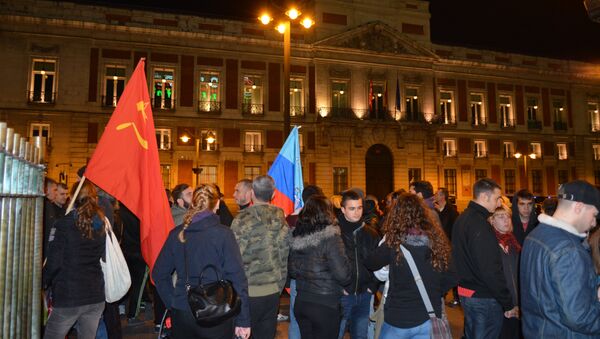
[
  {"x": 117, "y": 279},
  {"x": 440, "y": 328}
]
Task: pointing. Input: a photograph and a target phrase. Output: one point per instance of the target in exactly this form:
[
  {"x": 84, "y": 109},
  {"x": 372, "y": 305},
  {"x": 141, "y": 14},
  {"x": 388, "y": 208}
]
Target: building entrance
[{"x": 379, "y": 171}]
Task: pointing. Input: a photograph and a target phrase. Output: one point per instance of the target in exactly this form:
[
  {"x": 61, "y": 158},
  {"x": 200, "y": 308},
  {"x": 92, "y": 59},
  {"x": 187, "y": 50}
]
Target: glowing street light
[
  {"x": 293, "y": 13},
  {"x": 265, "y": 19}
]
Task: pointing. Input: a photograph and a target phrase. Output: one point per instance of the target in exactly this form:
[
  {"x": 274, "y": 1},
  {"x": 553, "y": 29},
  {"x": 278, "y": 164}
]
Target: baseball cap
[{"x": 581, "y": 191}]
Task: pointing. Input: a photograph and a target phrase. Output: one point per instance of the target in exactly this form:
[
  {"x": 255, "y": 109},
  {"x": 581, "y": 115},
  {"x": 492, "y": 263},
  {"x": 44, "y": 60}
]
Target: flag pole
[{"x": 74, "y": 197}]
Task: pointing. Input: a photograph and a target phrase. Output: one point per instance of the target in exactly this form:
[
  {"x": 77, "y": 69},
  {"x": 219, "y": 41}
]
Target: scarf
[{"x": 507, "y": 241}]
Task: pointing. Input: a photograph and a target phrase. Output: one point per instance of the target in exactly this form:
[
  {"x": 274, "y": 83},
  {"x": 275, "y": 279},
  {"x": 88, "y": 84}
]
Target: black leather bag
[{"x": 214, "y": 302}]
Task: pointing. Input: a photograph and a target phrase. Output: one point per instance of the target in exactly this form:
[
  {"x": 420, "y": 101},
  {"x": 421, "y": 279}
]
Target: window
[
  {"x": 536, "y": 181},
  {"x": 480, "y": 149},
  {"x": 559, "y": 115},
  {"x": 450, "y": 180},
  {"x": 165, "y": 172},
  {"x": 480, "y": 174},
  {"x": 301, "y": 143},
  {"x": 509, "y": 181},
  {"x": 339, "y": 94},
  {"x": 114, "y": 84},
  {"x": 411, "y": 105},
  {"x": 449, "y": 147},
  {"x": 209, "y": 97},
  {"x": 252, "y": 100},
  {"x": 43, "y": 81},
  {"x": 477, "y": 112},
  {"x": 506, "y": 114},
  {"x": 446, "y": 108},
  {"x": 208, "y": 175},
  {"x": 594, "y": 116},
  {"x": 509, "y": 149},
  {"x": 536, "y": 148},
  {"x": 596, "y": 149},
  {"x": 164, "y": 88},
  {"x": 532, "y": 108},
  {"x": 296, "y": 97},
  {"x": 562, "y": 151},
  {"x": 377, "y": 92},
  {"x": 163, "y": 139},
  {"x": 208, "y": 140},
  {"x": 40, "y": 130},
  {"x": 251, "y": 172},
  {"x": 253, "y": 142},
  {"x": 414, "y": 174},
  {"x": 340, "y": 179},
  {"x": 563, "y": 176}
]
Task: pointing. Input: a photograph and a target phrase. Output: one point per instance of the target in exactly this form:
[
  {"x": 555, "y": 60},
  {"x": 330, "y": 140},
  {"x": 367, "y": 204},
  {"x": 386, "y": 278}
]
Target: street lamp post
[
  {"x": 518, "y": 155},
  {"x": 284, "y": 28},
  {"x": 210, "y": 139}
]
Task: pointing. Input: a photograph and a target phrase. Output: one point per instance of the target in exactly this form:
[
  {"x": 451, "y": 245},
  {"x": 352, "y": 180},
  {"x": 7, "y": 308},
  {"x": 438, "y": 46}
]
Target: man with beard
[{"x": 182, "y": 195}]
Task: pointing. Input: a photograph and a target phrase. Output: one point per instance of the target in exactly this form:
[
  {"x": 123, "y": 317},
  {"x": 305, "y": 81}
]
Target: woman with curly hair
[
  {"x": 205, "y": 242},
  {"x": 410, "y": 223}
]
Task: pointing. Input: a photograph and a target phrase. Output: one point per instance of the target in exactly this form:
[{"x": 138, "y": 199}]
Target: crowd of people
[{"x": 348, "y": 265}]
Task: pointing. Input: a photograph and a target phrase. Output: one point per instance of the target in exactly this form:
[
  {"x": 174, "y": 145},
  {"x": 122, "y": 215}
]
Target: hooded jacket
[
  {"x": 262, "y": 234},
  {"x": 518, "y": 230},
  {"x": 319, "y": 264},
  {"x": 207, "y": 243}
]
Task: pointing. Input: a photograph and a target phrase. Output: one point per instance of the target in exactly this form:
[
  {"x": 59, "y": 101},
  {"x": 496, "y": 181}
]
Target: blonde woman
[{"x": 206, "y": 242}]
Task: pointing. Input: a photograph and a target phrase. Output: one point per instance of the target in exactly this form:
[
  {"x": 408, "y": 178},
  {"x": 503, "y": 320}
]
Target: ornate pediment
[{"x": 375, "y": 37}]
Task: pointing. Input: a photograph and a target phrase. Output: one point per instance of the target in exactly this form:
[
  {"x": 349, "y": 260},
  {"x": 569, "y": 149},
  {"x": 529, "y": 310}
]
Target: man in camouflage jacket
[{"x": 262, "y": 234}]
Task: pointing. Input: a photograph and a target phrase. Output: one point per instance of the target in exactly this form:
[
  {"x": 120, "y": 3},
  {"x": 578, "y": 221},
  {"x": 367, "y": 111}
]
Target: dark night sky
[{"x": 553, "y": 28}]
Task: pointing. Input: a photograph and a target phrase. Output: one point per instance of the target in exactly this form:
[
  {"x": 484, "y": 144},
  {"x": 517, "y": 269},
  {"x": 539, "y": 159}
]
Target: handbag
[
  {"x": 116, "y": 273},
  {"x": 440, "y": 328},
  {"x": 214, "y": 302}
]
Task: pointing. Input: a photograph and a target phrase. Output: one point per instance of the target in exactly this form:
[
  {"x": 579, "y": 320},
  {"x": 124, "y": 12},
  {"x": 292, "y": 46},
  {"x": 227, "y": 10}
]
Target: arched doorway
[{"x": 379, "y": 167}]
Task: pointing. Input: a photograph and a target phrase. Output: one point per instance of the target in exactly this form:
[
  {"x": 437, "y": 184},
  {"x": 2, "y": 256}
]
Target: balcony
[
  {"x": 507, "y": 123},
  {"x": 206, "y": 147},
  {"x": 560, "y": 126},
  {"x": 595, "y": 127},
  {"x": 297, "y": 112},
  {"x": 169, "y": 104},
  {"x": 480, "y": 123},
  {"x": 164, "y": 146},
  {"x": 40, "y": 97},
  {"x": 253, "y": 148},
  {"x": 447, "y": 121},
  {"x": 449, "y": 153},
  {"x": 480, "y": 154},
  {"x": 252, "y": 109},
  {"x": 508, "y": 155},
  {"x": 209, "y": 107},
  {"x": 109, "y": 101},
  {"x": 534, "y": 124},
  {"x": 336, "y": 113}
]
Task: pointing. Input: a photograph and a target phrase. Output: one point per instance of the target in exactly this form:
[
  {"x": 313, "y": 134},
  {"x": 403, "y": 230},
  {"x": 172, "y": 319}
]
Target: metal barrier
[{"x": 21, "y": 217}]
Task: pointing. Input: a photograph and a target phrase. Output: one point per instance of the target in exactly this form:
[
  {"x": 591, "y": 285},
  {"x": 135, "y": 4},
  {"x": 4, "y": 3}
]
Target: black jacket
[
  {"x": 518, "y": 230},
  {"x": 447, "y": 218},
  {"x": 404, "y": 307},
  {"x": 359, "y": 241},
  {"x": 477, "y": 256},
  {"x": 73, "y": 266},
  {"x": 319, "y": 264}
]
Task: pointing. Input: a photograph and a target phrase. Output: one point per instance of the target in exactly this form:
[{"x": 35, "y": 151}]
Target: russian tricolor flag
[{"x": 287, "y": 173}]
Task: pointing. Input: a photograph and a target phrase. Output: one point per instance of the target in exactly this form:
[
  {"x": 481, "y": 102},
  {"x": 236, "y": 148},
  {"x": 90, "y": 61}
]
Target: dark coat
[
  {"x": 224, "y": 214},
  {"x": 207, "y": 243},
  {"x": 404, "y": 306},
  {"x": 477, "y": 256},
  {"x": 72, "y": 268},
  {"x": 319, "y": 264},
  {"x": 447, "y": 218}
]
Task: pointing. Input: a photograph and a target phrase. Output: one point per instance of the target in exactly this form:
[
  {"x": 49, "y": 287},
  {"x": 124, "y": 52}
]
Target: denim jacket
[{"x": 558, "y": 283}]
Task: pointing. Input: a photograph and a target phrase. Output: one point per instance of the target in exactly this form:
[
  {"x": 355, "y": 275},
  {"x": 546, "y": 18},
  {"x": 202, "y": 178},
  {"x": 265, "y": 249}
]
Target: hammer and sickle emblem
[{"x": 140, "y": 108}]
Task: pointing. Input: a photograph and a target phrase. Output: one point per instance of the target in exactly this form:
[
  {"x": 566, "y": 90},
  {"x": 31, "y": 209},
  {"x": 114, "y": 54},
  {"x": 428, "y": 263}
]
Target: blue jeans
[
  {"x": 483, "y": 318},
  {"x": 293, "y": 329},
  {"x": 355, "y": 308},
  {"x": 422, "y": 331}
]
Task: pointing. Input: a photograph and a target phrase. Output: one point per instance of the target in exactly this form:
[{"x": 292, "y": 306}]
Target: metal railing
[
  {"x": 253, "y": 148},
  {"x": 507, "y": 123},
  {"x": 481, "y": 122},
  {"x": 109, "y": 101},
  {"x": 534, "y": 124},
  {"x": 21, "y": 217},
  {"x": 480, "y": 154},
  {"x": 212, "y": 107},
  {"x": 169, "y": 104},
  {"x": 560, "y": 126},
  {"x": 297, "y": 111},
  {"x": 209, "y": 147},
  {"x": 595, "y": 128},
  {"x": 40, "y": 97},
  {"x": 252, "y": 109}
]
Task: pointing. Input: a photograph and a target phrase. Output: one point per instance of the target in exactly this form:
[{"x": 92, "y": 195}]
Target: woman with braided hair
[{"x": 206, "y": 242}]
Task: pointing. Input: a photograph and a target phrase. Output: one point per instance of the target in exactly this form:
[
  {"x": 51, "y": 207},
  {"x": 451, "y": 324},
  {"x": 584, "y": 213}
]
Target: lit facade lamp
[
  {"x": 532, "y": 156},
  {"x": 284, "y": 27},
  {"x": 210, "y": 139}
]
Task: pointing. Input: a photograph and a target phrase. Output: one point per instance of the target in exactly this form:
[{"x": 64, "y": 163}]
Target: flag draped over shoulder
[
  {"x": 287, "y": 173},
  {"x": 126, "y": 165}
]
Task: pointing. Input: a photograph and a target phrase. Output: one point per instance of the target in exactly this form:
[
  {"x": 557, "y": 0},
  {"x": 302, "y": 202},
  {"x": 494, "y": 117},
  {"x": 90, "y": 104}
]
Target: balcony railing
[
  {"x": 449, "y": 153},
  {"x": 481, "y": 122},
  {"x": 595, "y": 128},
  {"x": 336, "y": 113},
  {"x": 507, "y": 123},
  {"x": 480, "y": 154},
  {"x": 165, "y": 146},
  {"x": 253, "y": 109},
  {"x": 109, "y": 101},
  {"x": 167, "y": 105},
  {"x": 211, "y": 107},
  {"x": 447, "y": 121},
  {"x": 509, "y": 155},
  {"x": 560, "y": 126},
  {"x": 40, "y": 97},
  {"x": 534, "y": 124},
  {"x": 253, "y": 148},
  {"x": 209, "y": 147},
  {"x": 297, "y": 111}
]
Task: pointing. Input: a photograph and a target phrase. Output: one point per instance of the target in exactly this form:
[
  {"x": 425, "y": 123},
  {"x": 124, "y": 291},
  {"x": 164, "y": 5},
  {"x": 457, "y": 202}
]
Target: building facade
[{"x": 379, "y": 104}]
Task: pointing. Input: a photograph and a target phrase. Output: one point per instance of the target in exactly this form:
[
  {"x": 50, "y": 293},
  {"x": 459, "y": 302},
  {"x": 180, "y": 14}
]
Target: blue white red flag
[{"x": 287, "y": 173}]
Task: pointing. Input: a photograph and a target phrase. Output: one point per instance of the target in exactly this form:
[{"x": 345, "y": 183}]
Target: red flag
[{"x": 125, "y": 164}]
